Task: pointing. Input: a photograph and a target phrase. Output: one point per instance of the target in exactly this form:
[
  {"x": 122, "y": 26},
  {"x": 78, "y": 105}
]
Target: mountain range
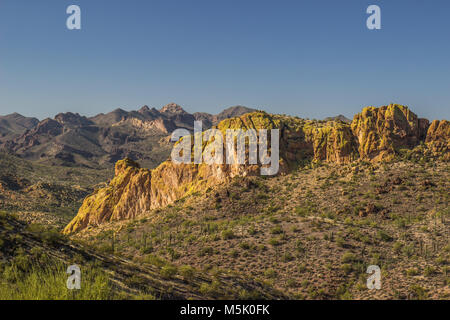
[{"x": 71, "y": 139}]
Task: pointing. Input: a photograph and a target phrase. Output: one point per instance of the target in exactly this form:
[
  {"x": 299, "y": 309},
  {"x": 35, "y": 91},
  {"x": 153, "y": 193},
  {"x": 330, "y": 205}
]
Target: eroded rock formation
[
  {"x": 438, "y": 138},
  {"x": 382, "y": 131}
]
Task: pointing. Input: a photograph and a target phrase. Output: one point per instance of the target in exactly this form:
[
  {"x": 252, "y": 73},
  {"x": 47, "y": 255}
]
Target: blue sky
[{"x": 309, "y": 58}]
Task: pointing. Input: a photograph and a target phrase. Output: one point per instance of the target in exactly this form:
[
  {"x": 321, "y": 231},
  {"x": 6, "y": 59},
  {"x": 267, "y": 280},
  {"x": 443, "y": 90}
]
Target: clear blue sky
[{"x": 309, "y": 58}]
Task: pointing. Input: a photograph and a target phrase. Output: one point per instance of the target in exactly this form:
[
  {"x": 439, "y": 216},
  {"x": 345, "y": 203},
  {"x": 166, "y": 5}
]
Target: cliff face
[
  {"x": 335, "y": 143},
  {"x": 375, "y": 134},
  {"x": 126, "y": 196},
  {"x": 438, "y": 138},
  {"x": 382, "y": 131}
]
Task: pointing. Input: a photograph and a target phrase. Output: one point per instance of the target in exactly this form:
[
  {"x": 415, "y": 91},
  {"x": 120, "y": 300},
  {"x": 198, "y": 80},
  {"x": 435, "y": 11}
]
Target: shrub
[
  {"x": 383, "y": 236},
  {"x": 412, "y": 272},
  {"x": 417, "y": 292},
  {"x": 270, "y": 273},
  {"x": 340, "y": 242},
  {"x": 47, "y": 234},
  {"x": 347, "y": 268},
  {"x": 287, "y": 257},
  {"x": 276, "y": 230},
  {"x": 348, "y": 257},
  {"x": 301, "y": 268},
  {"x": 429, "y": 271},
  {"x": 227, "y": 234},
  {"x": 234, "y": 253},
  {"x": 301, "y": 211},
  {"x": 244, "y": 245},
  {"x": 168, "y": 271},
  {"x": 274, "y": 242},
  {"x": 206, "y": 251}
]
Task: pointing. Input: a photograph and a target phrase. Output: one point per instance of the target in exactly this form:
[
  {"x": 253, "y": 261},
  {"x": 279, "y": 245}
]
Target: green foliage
[
  {"x": 186, "y": 271},
  {"x": 47, "y": 234},
  {"x": 270, "y": 273},
  {"x": 383, "y": 236},
  {"x": 276, "y": 230},
  {"x": 168, "y": 271},
  {"x": 228, "y": 234},
  {"x": 49, "y": 283}
]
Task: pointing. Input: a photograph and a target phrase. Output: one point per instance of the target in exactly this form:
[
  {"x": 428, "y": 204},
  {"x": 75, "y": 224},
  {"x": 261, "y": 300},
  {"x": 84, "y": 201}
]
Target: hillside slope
[
  {"x": 34, "y": 258},
  {"x": 311, "y": 233}
]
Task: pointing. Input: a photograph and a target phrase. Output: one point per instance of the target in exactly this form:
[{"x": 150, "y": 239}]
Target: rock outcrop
[
  {"x": 382, "y": 131},
  {"x": 127, "y": 195},
  {"x": 438, "y": 138}
]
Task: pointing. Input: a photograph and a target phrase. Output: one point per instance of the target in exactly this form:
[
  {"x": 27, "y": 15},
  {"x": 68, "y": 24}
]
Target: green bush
[
  {"x": 348, "y": 257},
  {"x": 383, "y": 236},
  {"x": 274, "y": 242},
  {"x": 276, "y": 230},
  {"x": 168, "y": 271},
  {"x": 270, "y": 273},
  {"x": 227, "y": 234},
  {"x": 206, "y": 251},
  {"x": 187, "y": 271}
]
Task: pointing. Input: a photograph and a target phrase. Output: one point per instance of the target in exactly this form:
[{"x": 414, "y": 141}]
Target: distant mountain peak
[
  {"x": 144, "y": 109},
  {"x": 172, "y": 108},
  {"x": 15, "y": 116},
  {"x": 234, "y": 111},
  {"x": 71, "y": 118},
  {"x": 339, "y": 117},
  {"x": 118, "y": 110}
]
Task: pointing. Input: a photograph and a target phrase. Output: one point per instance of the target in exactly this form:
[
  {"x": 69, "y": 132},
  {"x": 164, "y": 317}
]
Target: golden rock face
[
  {"x": 438, "y": 138},
  {"x": 375, "y": 134},
  {"x": 382, "y": 131},
  {"x": 126, "y": 196}
]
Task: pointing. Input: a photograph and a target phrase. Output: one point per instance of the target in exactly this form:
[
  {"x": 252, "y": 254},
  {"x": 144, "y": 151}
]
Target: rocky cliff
[
  {"x": 438, "y": 138},
  {"x": 127, "y": 195},
  {"x": 382, "y": 131}
]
